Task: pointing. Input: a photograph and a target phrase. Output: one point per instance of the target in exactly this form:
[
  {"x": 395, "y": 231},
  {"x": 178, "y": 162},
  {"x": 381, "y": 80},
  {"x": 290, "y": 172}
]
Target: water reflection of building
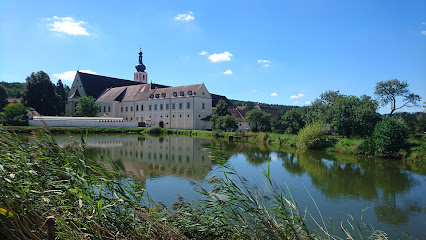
[{"x": 145, "y": 158}]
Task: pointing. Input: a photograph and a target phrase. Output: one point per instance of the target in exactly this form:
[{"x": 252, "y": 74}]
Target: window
[
  {"x": 157, "y": 95},
  {"x": 100, "y": 109},
  {"x": 188, "y": 105},
  {"x": 203, "y": 106},
  {"x": 155, "y": 107},
  {"x": 121, "y": 109},
  {"x": 141, "y": 107},
  {"x": 109, "y": 108},
  {"x": 174, "y": 94},
  {"x": 131, "y": 109},
  {"x": 104, "y": 108},
  {"x": 163, "y": 95},
  {"x": 137, "y": 119},
  {"x": 150, "y": 107},
  {"x": 167, "y": 106},
  {"x": 137, "y": 108},
  {"x": 189, "y": 92},
  {"x": 127, "y": 109},
  {"x": 180, "y": 105},
  {"x": 151, "y": 96},
  {"x": 173, "y": 106},
  {"x": 182, "y": 93},
  {"x": 161, "y": 106}
]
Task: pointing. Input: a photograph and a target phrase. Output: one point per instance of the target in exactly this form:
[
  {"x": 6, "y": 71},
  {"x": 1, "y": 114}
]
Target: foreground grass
[{"x": 41, "y": 180}]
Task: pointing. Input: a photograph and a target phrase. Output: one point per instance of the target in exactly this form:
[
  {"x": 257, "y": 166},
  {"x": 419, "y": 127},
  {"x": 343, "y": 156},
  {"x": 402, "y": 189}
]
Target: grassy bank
[
  {"x": 415, "y": 151},
  {"x": 42, "y": 181}
]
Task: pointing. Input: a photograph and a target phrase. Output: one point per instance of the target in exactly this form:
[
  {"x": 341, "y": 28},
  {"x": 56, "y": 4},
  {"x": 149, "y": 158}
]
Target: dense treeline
[
  {"x": 38, "y": 93},
  {"x": 250, "y": 105}
]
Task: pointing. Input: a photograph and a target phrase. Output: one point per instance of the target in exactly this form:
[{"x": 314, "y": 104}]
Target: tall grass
[{"x": 40, "y": 180}]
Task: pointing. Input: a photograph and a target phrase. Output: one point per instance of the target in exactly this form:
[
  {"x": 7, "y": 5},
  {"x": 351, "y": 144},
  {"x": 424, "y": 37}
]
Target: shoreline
[{"x": 416, "y": 152}]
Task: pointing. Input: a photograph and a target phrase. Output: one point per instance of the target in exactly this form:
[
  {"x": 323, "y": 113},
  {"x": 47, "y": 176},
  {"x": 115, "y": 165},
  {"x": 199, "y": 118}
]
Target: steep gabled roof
[
  {"x": 142, "y": 92},
  {"x": 216, "y": 98},
  {"x": 112, "y": 94},
  {"x": 94, "y": 85}
]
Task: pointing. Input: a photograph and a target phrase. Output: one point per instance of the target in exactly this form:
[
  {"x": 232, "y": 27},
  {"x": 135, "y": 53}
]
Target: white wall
[{"x": 80, "y": 122}]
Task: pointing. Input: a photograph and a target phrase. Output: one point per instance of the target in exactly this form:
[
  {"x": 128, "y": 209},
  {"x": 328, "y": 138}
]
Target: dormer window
[
  {"x": 151, "y": 96},
  {"x": 157, "y": 95},
  {"x": 163, "y": 95},
  {"x": 189, "y": 92},
  {"x": 174, "y": 94},
  {"x": 182, "y": 93}
]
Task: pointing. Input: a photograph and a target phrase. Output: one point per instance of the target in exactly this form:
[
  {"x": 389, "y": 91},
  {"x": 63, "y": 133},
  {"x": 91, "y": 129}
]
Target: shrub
[
  {"x": 389, "y": 136},
  {"x": 154, "y": 130},
  {"x": 312, "y": 136}
]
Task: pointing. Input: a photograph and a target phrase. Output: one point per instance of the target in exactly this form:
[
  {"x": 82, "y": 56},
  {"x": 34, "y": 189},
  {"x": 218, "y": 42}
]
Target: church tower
[{"x": 140, "y": 74}]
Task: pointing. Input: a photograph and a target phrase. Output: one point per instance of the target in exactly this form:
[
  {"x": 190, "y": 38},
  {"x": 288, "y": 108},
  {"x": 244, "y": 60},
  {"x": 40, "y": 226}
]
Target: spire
[{"x": 140, "y": 67}]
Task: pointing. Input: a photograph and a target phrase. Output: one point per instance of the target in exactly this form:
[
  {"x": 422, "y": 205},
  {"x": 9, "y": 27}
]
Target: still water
[{"x": 388, "y": 196}]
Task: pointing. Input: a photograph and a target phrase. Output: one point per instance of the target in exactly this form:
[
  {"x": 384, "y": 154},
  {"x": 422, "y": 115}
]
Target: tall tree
[
  {"x": 222, "y": 119},
  {"x": 86, "y": 107},
  {"x": 222, "y": 108},
  {"x": 39, "y": 93},
  {"x": 390, "y": 90},
  {"x": 258, "y": 120},
  {"x": 61, "y": 94},
  {"x": 3, "y": 97}
]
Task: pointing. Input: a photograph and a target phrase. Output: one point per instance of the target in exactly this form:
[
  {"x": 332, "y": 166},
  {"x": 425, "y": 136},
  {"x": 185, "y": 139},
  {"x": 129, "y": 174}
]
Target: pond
[{"x": 380, "y": 191}]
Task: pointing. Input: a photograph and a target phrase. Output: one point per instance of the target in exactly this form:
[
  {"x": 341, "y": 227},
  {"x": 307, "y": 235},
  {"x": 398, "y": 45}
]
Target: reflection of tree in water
[
  {"x": 335, "y": 179},
  {"x": 361, "y": 178},
  {"x": 290, "y": 163}
]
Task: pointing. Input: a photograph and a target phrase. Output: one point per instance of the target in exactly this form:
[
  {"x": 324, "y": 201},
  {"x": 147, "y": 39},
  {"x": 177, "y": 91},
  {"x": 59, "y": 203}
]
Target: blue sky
[{"x": 283, "y": 52}]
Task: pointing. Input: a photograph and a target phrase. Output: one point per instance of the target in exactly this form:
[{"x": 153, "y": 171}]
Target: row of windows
[
  {"x": 188, "y": 106},
  {"x": 175, "y": 94}
]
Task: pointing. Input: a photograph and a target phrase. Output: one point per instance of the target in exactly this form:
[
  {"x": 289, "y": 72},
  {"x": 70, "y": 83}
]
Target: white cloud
[
  {"x": 185, "y": 17},
  {"x": 220, "y": 57},
  {"x": 263, "y": 61},
  {"x": 266, "y": 65},
  {"x": 228, "y": 72},
  {"x": 298, "y": 95},
  {"x": 423, "y": 32},
  {"x": 253, "y": 90},
  {"x": 67, "y": 25},
  {"x": 203, "y": 53},
  {"x": 296, "y": 102},
  {"x": 307, "y": 102},
  {"x": 274, "y": 94},
  {"x": 70, "y": 74}
]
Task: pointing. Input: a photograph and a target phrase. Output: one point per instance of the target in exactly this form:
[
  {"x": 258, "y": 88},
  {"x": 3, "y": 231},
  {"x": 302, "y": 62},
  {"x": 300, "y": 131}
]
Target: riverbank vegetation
[{"x": 41, "y": 182}]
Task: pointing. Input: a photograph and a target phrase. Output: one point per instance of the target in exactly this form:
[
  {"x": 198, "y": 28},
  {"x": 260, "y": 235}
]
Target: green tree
[
  {"x": 390, "y": 90},
  {"x": 258, "y": 120},
  {"x": 389, "y": 136},
  {"x": 39, "y": 93},
  {"x": 222, "y": 108},
  {"x": 293, "y": 120},
  {"x": 86, "y": 107},
  {"x": 224, "y": 123},
  {"x": 3, "y": 97},
  {"x": 15, "y": 114},
  {"x": 62, "y": 97}
]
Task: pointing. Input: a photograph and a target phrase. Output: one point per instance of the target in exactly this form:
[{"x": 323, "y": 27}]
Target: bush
[
  {"x": 312, "y": 136},
  {"x": 15, "y": 114},
  {"x": 389, "y": 136},
  {"x": 154, "y": 130}
]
